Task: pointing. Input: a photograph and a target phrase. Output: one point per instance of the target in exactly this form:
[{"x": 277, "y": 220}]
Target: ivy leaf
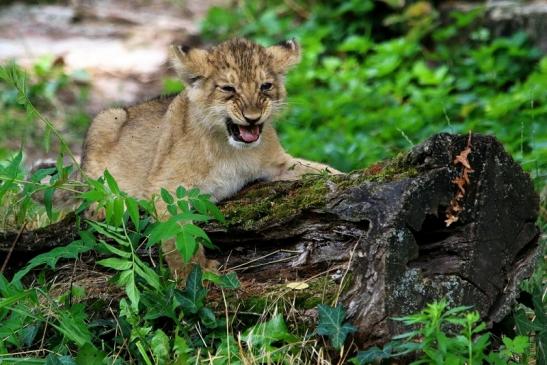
[
  {"x": 228, "y": 281},
  {"x": 192, "y": 299},
  {"x": 331, "y": 324},
  {"x": 53, "y": 359},
  {"x": 207, "y": 317},
  {"x": 371, "y": 355},
  {"x": 264, "y": 335},
  {"x": 28, "y": 334},
  {"x": 89, "y": 354},
  {"x": 160, "y": 346}
]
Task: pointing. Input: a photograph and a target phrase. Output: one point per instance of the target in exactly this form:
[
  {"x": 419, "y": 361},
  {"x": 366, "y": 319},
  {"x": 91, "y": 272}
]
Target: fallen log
[{"x": 453, "y": 218}]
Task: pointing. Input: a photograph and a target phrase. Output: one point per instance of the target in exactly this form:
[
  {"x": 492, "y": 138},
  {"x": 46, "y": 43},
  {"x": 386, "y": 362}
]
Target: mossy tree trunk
[
  {"x": 388, "y": 224},
  {"x": 377, "y": 239}
]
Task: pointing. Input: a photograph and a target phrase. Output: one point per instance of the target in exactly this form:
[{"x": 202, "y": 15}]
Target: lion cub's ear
[
  {"x": 191, "y": 64},
  {"x": 285, "y": 55}
]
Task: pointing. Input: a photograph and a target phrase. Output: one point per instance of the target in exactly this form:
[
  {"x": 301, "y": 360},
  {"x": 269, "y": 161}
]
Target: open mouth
[{"x": 242, "y": 133}]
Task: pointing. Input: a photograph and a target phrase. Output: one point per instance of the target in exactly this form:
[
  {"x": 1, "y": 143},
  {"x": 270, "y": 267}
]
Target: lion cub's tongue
[{"x": 249, "y": 134}]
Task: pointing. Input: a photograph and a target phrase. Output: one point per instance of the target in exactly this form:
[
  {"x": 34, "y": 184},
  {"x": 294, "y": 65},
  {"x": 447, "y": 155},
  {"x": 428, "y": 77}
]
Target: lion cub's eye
[
  {"x": 266, "y": 86},
  {"x": 228, "y": 89}
]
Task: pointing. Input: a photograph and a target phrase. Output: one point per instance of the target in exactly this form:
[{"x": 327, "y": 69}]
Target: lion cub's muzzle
[{"x": 244, "y": 133}]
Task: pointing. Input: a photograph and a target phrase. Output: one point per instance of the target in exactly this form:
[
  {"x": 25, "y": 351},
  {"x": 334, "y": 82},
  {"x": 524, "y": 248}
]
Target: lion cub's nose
[{"x": 252, "y": 118}]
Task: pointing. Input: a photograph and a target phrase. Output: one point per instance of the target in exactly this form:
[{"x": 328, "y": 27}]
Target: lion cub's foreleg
[
  {"x": 294, "y": 168},
  {"x": 177, "y": 266},
  {"x": 180, "y": 269}
]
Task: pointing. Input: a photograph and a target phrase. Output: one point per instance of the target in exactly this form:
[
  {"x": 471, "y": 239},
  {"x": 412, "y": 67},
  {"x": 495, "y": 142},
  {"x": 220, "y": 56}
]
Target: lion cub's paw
[
  {"x": 211, "y": 265},
  {"x": 94, "y": 213}
]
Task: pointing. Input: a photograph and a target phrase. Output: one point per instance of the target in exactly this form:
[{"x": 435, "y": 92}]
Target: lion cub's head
[{"x": 236, "y": 86}]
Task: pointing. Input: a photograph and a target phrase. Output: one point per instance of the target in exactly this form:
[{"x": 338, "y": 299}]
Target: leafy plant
[
  {"x": 130, "y": 225},
  {"x": 265, "y": 338},
  {"x": 331, "y": 324},
  {"x": 47, "y": 80},
  {"x": 440, "y": 335},
  {"x": 365, "y": 64},
  {"x": 531, "y": 319}
]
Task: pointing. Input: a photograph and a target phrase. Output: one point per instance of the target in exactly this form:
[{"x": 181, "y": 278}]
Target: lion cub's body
[
  {"x": 217, "y": 135},
  {"x": 153, "y": 145}
]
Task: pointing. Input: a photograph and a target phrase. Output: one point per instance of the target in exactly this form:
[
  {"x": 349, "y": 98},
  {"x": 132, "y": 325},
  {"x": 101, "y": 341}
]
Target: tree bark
[{"x": 377, "y": 239}]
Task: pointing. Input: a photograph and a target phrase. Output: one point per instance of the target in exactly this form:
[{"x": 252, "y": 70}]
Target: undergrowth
[
  {"x": 153, "y": 321},
  {"x": 417, "y": 77},
  {"x": 50, "y": 88}
]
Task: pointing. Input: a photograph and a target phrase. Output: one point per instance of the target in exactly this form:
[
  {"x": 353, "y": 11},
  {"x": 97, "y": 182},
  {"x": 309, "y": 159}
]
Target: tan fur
[{"x": 184, "y": 140}]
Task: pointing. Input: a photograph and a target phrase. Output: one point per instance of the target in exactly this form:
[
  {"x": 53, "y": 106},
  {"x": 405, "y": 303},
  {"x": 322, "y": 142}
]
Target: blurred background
[{"x": 376, "y": 77}]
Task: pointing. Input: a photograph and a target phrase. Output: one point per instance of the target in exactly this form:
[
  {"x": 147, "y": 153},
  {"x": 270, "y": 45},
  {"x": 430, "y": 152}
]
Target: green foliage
[
  {"x": 454, "y": 336},
  {"x": 373, "y": 80},
  {"x": 532, "y": 320},
  {"x": 149, "y": 297},
  {"x": 17, "y": 192},
  {"x": 71, "y": 251},
  {"x": 43, "y": 85},
  {"x": 331, "y": 324},
  {"x": 152, "y": 309},
  {"x": 172, "y": 86},
  {"x": 264, "y": 338}
]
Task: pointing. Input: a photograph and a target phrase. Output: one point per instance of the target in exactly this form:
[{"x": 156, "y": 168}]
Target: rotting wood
[{"x": 391, "y": 216}]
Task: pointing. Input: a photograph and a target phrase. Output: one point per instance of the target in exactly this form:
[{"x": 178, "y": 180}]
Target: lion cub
[{"x": 217, "y": 135}]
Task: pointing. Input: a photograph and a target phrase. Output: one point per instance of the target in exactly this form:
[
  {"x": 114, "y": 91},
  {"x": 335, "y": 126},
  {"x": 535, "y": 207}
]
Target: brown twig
[{"x": 8, "y": 256}]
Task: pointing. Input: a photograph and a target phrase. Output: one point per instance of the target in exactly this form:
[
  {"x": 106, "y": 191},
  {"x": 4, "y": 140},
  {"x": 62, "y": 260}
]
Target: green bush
[
  {"x": 47, "y": 84},
  {"x": 443, "y": 336}
]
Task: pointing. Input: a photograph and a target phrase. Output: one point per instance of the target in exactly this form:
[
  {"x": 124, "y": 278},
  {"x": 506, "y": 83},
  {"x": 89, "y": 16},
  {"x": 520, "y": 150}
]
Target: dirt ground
[{"x": 121, "y": 44}]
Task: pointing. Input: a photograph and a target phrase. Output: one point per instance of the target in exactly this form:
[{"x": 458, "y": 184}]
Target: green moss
[
  {"x": 256, "y": 304},
  {"x": 278, "y": 203},
  {"x": 391, "y": 170},
  {"x": 321, "y": 290}
]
